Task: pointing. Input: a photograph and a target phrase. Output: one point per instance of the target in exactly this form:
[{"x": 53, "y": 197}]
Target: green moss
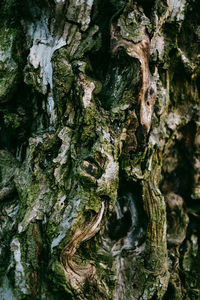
[
  {"x": 33, "y": 77},
  {"x": 59, "y": 280},
  {"x": 92, "y": 41},
  {"x": 12, "y": 120},
  {"x": 33, "y": 244},
  {"x": 63, "y": 75},
  {"x": 8, "y": 168},
  {"x": 9, "y": 66},
  {"x": 132, "y": 23}
]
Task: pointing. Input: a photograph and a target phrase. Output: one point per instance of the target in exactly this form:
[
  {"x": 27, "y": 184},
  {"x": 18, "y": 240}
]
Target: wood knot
[
  {"x": 140, "y": 50},
  {"x": 78, "y": 275}
]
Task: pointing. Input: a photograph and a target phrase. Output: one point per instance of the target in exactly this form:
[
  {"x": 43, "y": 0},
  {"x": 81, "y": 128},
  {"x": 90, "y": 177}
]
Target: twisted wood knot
[
  {"x": 140, "y": 50},
  {"x": 76, "y": 274}
]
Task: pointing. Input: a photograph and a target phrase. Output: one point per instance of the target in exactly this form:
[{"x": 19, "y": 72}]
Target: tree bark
[{"x": 99, "y": 149}]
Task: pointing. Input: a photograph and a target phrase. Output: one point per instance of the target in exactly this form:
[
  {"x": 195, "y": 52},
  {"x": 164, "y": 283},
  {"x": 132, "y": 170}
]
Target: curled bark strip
[
  {"x": 148, "y": 90},
  {"x": 77, "y": 275}
]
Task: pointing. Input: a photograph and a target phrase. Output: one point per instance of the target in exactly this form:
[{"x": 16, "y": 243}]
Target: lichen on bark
[{"x": 99, "y": 157}]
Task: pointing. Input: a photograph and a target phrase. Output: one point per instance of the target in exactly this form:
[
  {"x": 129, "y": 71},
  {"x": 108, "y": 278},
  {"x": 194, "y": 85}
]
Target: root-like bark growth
[{"x": 77, "y": 275}]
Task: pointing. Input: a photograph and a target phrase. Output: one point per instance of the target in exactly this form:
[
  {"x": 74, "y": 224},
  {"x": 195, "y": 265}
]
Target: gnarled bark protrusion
[
  {"x": 139, "y": 50},
  {"x": 76, "y": 274}
]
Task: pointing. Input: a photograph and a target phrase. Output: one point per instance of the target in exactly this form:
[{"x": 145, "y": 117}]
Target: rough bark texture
[{"x": 99, "y": 153}]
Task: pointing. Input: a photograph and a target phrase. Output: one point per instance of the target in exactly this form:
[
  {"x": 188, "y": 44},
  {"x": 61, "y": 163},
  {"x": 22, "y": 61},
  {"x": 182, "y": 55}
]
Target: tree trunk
[{"x": 99, "y": 157}]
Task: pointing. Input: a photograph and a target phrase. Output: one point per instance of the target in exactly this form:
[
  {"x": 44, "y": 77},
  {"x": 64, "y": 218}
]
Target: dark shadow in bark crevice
[{"x": 128, "y": 221}]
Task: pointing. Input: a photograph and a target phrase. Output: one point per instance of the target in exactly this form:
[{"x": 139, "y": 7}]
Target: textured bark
[{"x": 99, "y": 153}]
